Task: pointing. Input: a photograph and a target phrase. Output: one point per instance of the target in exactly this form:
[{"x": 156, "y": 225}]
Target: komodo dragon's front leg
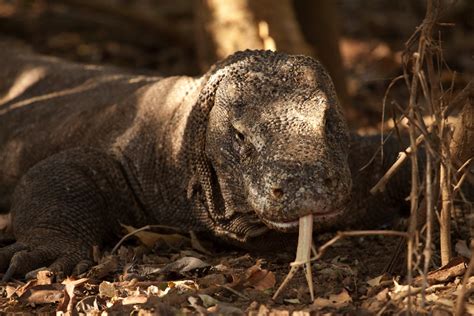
[{"x": 62, "y": 207}]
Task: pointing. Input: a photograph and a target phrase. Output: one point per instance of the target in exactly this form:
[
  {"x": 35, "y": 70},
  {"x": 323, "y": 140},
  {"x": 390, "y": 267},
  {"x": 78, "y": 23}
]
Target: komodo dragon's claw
[{"x": 20, "y": 258}]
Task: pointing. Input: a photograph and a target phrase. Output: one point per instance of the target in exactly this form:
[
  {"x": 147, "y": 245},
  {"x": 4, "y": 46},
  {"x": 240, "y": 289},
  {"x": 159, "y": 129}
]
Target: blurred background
[{"x": 359, "y": 41}]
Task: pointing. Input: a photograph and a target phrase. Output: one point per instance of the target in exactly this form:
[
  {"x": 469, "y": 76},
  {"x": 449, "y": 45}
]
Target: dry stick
[
  {"x": 459, "y": 149},
  {"x": 446, "y": 203},
  {"x": 402, "y": 156},
  {"x": 460, "y": 301},
  {"x": 383, "y": 141},
  {"x": 303, "y": 253},
  {"x": 241, "y": 295},
  {"x": 458, "y": 101},
  {"x": 384, "y": 101},
  {"x": 448, "y": 152},
  {"x": 414, "y": 170},
  {"x": 356, "y": 233},
  {"x": 431, "y": 145},
  {"x": 426, "y": 28},
  {"x": 465, "y": 172},
  {"x": 429, "y": 225},
  {"x": 147, "y": 227}
]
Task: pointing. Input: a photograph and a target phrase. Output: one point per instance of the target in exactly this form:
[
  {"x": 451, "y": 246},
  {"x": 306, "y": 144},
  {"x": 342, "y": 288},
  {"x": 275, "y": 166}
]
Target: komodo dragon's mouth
[{"x": 319, "y": 217}]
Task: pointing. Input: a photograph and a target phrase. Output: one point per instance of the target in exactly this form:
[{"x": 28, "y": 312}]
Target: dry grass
[{"x": 433, "y": 194}]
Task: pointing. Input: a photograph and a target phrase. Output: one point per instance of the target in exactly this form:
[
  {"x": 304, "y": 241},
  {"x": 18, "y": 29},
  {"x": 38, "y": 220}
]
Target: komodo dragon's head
[{"x": 276, "y": 143}]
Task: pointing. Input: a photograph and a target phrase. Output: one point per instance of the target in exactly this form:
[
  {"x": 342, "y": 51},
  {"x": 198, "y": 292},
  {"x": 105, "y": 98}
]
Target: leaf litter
[{"x": 147, "y": 279}]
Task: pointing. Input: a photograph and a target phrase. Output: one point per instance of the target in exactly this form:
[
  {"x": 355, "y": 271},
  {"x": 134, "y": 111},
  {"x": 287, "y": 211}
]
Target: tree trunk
[
  {"x": 320, "y": 25},
  {"x": 223, "y": 27}
]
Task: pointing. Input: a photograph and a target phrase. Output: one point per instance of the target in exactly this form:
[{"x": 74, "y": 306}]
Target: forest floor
[{"x": 174, "y": 276}]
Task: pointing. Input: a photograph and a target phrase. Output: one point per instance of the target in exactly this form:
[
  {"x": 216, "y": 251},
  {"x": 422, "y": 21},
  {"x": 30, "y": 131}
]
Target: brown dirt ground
[{"x": 232, "y": 282}]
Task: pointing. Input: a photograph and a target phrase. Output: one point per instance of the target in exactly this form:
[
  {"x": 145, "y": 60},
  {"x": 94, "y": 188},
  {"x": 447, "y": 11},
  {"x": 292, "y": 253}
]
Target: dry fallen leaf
[
  {"x": 225, "y": 309},
  {"x": 107, "y": 289},
  {"x": 194, "y": 302},
  {"x": 88, "y": 305},
  {"x": 255, "y": 277},
  {"x": 400, "y": 291},
  {"x": 22, "y": 289},
  {"x": 469, "y": 308},
  {"x": 149, "y": 239},
  {"x": 375, "y": 281},
  {"x": 108, "y": 265},
  {"x": 44, "y": 277},
  {"x": 445, "y": 302},
  {"x": 42, "y": 294},
  {"x": 67, "y": 303},
  {"x": 182, "y": 265},
  {"x": 292, "y": 301},
  {"x": 138, "y": 299},
  {"x": 455, "y": 267},
  {"x": 382, "y": 296},
  {"x": 212, "y": 280},
  {"x": 183, "y": 285},
  {"x": 208, "y": 300},
  {"x": 10, "y": 290},
  {"x": 432, "y": 297},
  {"x": 157, "y": 291},
  {"x": 335, "y": 300},
  {"x": 262, "y": 280}
]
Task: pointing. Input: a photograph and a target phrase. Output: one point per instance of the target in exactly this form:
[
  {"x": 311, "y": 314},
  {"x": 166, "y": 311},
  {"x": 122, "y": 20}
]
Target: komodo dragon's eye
[
  {"x": 239, "y": 136},
  {"x": 240, "y": 145}
]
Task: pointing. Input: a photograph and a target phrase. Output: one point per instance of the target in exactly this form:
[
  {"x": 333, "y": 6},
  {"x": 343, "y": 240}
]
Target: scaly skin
[{"x": 241, "y": 153}]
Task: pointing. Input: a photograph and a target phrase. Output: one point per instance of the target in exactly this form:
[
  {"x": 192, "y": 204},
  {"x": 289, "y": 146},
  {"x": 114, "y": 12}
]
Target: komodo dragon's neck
[{"x": 154, "y": 148}]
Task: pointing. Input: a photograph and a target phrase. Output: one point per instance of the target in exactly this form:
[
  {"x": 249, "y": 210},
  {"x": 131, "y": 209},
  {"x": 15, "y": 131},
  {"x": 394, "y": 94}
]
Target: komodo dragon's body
[{"x": 241, "y": 153}]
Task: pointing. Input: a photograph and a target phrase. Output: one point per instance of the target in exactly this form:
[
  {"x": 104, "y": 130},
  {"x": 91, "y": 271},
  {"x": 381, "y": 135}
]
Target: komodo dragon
[{"x": 241, "y": 153}]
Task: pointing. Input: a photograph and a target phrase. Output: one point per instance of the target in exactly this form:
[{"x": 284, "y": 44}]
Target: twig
[
  {"x": 446, "y": 206},
  {"x": 383, "y": 141},
  {"x": 425, "y": 36},
  {"x": 457, "y": 102},
  {"x": 465, "y": 172},
  {"x": 402, "y": 156},
  {"x": 228, "y": 288},
  {"x": 429, "y": 198},
  {"x": 147, "y": 227},
  {"x": 303, "y": 259},
  {"x": 467, "y": 92},
  {"x": 356, "y": 233},
  {"x": 392, "y": 83}
]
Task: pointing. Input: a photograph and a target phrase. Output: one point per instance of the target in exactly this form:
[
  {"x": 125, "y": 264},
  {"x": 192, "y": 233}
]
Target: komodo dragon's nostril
[
  {"x": 329, "y": 182},
  {"x": 277, "y": 193}
]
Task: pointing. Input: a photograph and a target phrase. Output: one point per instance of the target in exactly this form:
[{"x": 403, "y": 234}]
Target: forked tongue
[{"x": 303, "y": 255}]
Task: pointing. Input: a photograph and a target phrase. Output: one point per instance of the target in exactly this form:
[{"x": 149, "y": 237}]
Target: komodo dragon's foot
[
  {"x": 59, "y": 256},
  {"x": 61, "y": 208}
]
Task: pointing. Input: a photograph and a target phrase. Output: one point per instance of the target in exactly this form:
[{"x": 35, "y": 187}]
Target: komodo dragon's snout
[{"x": 278, "y": 143}]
